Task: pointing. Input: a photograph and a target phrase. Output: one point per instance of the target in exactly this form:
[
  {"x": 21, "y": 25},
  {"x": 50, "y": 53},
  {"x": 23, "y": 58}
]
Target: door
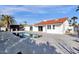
[
  {"x": 40, "y": 28},
  {"x": 31, "y": 28}
]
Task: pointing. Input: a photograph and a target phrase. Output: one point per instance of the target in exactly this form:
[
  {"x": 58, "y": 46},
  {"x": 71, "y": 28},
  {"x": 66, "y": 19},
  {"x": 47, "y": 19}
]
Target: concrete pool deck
[
  {"x": 47, "y": 44},
  {"x": 63, "y": 43}
]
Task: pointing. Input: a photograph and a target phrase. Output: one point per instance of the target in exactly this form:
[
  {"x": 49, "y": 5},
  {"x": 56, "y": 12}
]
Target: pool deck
[
  {"x": 63, "y": 43},
  {"x": 47, "y": 44}
]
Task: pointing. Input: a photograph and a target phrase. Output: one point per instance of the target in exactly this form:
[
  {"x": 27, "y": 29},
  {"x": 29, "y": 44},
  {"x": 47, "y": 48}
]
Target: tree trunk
[{"x": 78, "y": 33}]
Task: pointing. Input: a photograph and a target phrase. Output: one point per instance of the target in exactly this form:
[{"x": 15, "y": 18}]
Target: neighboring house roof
[
  {"x": 26, "y": 25},
  {"x": 60, "y": 20}
]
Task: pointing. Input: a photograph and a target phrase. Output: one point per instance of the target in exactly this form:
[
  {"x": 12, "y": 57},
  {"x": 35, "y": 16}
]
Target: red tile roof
[{"x": 61, "y": 20}]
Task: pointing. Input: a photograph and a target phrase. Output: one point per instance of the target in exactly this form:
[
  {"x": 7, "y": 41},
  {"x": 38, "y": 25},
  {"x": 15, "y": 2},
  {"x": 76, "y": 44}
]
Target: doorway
[
  {"x": 40, "y": 28},
  {"x": 31, "y": 28}
]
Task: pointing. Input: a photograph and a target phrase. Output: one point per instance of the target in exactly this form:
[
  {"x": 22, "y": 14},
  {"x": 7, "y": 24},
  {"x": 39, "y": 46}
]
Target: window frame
[
  {"x": 48, "y": 26},
  {"x": 53, "y": 26}
]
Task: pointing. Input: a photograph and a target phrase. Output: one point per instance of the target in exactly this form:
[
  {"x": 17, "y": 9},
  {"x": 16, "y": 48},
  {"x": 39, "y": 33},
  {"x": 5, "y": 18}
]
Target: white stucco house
[
  {"x": 57, "y": 26},
  {"x": 2, "y": 28},
  {"x": 27, "y": 28}
]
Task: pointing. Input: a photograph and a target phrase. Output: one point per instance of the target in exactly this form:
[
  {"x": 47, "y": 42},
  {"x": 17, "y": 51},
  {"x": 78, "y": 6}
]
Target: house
[
  {"x": 57, "y": 26},
  {"x": 27, "y": 27},
  {"x": 2, "y": 28},
  {"x": 16, "y": 28}
]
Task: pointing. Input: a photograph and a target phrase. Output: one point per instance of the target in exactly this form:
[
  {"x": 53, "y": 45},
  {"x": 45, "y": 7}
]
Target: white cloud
[
  {"x": 13, "y": 9},
  {"x": 35, "y": 9}
]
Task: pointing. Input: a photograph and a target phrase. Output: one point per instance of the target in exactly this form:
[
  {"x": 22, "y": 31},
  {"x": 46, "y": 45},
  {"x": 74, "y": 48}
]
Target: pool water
[{"x": 25, "y": 34}]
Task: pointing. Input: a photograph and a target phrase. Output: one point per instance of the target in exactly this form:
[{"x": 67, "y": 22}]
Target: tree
[
  {"x": 78, "y": 24},
  {"x": 74, "y": 23},
  {"x": 2, "y": 24},
  {"x": 25, "y": 22},
  {"x": 7, "y": 20},
  {"x": 77, "y": 9},
  {"x": 74, "y": 20}
]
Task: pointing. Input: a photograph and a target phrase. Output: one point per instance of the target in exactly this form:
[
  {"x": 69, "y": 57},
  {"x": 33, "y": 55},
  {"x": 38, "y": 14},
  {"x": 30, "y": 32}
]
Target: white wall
[
  {"x": 27, "y": 28},
  {"x": 3, "y": 28},
  {"x": 44, "y": 28},
  {"x": 60, "y": 28},
  {"x": 66, "y": 26},
  {"x": 57, "y": 30},
  {"x": 35, "y": 28}
]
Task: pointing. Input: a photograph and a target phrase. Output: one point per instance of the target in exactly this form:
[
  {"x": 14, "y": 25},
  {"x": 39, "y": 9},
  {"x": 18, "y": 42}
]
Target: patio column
[
  {"x": 11, "y": 30},
  {"x": 16, "y": 29}
]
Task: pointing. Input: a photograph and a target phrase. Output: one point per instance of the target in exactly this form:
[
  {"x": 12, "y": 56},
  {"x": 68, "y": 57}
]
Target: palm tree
[
  {"x": 7, "y": 20},
  {"x": 74, "y": 20},
  {"x": 78, "y": 24},
  {"x": 25, "y": 22},
  {"x": 77, "y": 9},
  {"x": 1, "y": 24},
  {"x": 74, "y": 23}
]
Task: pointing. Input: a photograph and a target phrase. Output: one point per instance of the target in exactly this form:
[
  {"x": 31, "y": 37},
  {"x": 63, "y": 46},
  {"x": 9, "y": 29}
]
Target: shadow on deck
[{"x": 30, "y": 47}]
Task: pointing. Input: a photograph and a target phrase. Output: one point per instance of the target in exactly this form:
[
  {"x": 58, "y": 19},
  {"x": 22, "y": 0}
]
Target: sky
[{"x": 36, "y": 13}]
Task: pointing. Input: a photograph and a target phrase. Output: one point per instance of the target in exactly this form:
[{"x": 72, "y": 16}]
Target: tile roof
[{"x": 60, "y": 20}]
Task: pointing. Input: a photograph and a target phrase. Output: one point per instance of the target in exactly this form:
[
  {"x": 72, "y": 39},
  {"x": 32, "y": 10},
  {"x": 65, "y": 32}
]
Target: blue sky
[{"x": 35, "y": 13}]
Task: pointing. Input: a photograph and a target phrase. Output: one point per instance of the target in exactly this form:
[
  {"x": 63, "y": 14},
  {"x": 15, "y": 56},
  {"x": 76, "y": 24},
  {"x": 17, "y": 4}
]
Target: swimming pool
[{"x": 25, "y": 34}]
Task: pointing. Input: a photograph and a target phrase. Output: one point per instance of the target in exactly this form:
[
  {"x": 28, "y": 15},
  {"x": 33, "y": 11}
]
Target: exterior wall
[
  {"x": 57, "y": 30},
  {"x": 3, "y": 28},
  {"x": 44, "y": 28},
  {"x": 35, "y": 28},
  {"x": 66, "y": 27},
  {"x": 60, "y": 28},
  {"x": 27, "y": 28}
]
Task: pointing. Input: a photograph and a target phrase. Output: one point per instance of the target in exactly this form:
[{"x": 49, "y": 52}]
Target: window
[
  {"x": 53, "y": 26},
  {"x": 48, "y": 26}
]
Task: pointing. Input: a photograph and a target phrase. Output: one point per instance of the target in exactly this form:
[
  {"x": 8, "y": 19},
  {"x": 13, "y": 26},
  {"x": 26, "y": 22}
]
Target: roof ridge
[
  {"x": 58, "y": 20},
  {"x": 55, "y": 19}
]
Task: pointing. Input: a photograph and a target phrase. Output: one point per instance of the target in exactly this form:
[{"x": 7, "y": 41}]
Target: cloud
[
  {"x": 13, "y": 9},
  {"x": 36, "y": 9}
]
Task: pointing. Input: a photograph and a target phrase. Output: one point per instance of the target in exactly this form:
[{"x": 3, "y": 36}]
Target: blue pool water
[{"x": 25, "y": 34}]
